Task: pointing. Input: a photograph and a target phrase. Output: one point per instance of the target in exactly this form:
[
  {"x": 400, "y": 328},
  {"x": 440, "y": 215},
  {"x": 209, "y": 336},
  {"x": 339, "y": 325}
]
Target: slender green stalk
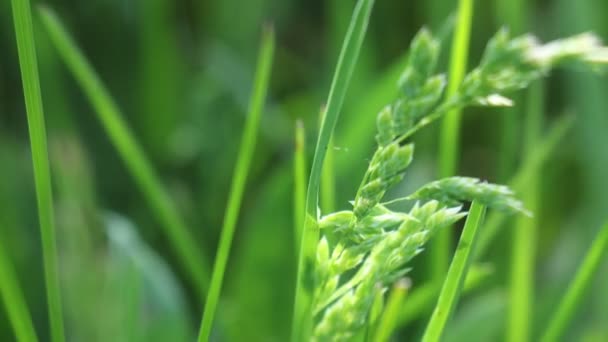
[
  {"x": 578, "y": 287},
  {"x": 421, "y": 301},
  {"x": 452, "y": 285},
  {"x": 389, "y": 318},
  {"x": 13, "y": 299},
  {"x": 129, "y": 150},
  {"x": 22, "y": 16},
  {"x": 256, "y": 107},
  {"x": 302, "y": 318},
  {"x": 524, "y": 235},
  {"x": 450, "y": 130},
  {"x": 328, "y": 178},
  {"x": 299, "y": 179},
  {"x": 522, "y": 178}
]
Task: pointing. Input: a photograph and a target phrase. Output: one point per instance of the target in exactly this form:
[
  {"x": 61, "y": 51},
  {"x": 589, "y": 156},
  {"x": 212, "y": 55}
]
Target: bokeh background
[{"x": 181, "y": 71}]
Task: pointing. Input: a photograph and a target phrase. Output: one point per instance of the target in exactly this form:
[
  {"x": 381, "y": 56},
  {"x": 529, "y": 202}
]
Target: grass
[
  {"x": 22, "y": 16},
  {"x": 301, "y": 323},
  {"x": 327, "y": 195},
  {"x": 110, "y": 116},
  {"x": 578, "y": 287},
  {"x": 450, "y": 129},
  {"x": 523, "y": 252},
  {"x": 452, "y": 286},
  {"x": 256, "y": 107},
  {"x": 299, "y": 178},
  {"x": 14, "y": 302},
  {"x": 389, "y": 318}
]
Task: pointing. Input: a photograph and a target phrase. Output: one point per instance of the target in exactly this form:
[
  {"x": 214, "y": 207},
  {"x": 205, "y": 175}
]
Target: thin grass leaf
[
  {"x": 14, "y": 302},
  {"x": 302, "y": 318},
  {"x": 328, "y": 179},
  {"x": 388, "y": 321},
  {"x": 421, "y": 300},
  {"x": 184, "y": 245},
  {"x": 578, "y": 287},
  {"x": 22, "y": 16},
  {"x": 452, "y": 286},
  {"x": 299, "y": 179},
  {"x": 256, "y": 106},
  {"x": 523, "y": 249},
  {"x": 450, "y": 129}
]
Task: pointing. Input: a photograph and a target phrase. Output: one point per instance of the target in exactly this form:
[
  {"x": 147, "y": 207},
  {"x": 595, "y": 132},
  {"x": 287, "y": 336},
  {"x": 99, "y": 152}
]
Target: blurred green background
[{"x": 182, "y": 71}]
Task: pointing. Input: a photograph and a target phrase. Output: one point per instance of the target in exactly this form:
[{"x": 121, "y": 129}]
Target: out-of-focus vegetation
[{"x": 182, "y": 73}]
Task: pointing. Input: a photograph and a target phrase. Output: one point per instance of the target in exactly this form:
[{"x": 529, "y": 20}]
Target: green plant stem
[
  {"x": 299, "y": 179},
  {"x": 22, "y": 16},
  {"x": 302, "y": 317},
  {"x": 450, "y": 130},
  {"x": 328, "y": 179},
  {"x": 421, "y": 300},
  {"x": 524, "y": 235},
  {"x": 256, "y": 107},
  {"x": 578, "y": 287},
  {"x": 14, "y": 302},
  {"x": 389, "y": 318},
  {"x": 184, "y": 245},
  {"x": 450, "y": 292}
]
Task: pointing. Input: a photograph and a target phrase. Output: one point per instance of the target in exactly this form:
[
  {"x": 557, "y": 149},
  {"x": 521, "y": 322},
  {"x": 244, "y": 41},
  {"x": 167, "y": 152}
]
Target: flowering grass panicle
[{"x": 363, "y": 251}]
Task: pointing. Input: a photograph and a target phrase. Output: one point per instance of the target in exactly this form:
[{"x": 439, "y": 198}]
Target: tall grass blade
[
  {"x": 328, "y": 179},
  {"x": 141, "y": 170},
  {"x": 22, "y": 16},
  {"x": 524, "y": 235},
  {"x": 14, "y": 302},
  {"x": 578, "y": 287},
  {"x": 299, "y": 179},
  {"x": 450, "y": 130},
  {"x": 256, "y": 106},
  {"x": 302, "y": 319},
  {"x": 452, "y": 285},
  {"x": 389, "y": 318}
]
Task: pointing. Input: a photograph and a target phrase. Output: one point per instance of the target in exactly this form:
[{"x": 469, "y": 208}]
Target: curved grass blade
[
  {"x": 328, "y": 182},
  {"x": 299, "y": 179},
  {"x": 578, "y": 287},
  {"x": 452, "y": 285},
  {"x": 450, "y": 130},
  {"x": 302, "y": 319},
  {"x": 256, "y": 106},
  {"x": 14, "y": 302},
  {"x": 141, "y": 170},
  {"x": 22, "y": 16}
]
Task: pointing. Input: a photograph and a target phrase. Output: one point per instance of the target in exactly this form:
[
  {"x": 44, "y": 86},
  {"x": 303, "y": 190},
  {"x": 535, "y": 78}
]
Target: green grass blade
[
  {"x": 388, "y": 321},
  {"x": 22, "y": 16},
  {"x": 578, "y": 287},
  {"x": 328, "y": 179},
  {"x": 256, "y": 106},
  {"x": 450, "y": 130},
  {"x": 132, "y": 155},
  {"x": 14, "y": 302},
  {"x": 530, "y": 166},
  {"x": 299, "y": 179},
  {"x": 457, "y": 272},
  {"x": 524, "y": 235},
  {"x": 422, "y": 299},
  {"x": 302, "y": 320}
]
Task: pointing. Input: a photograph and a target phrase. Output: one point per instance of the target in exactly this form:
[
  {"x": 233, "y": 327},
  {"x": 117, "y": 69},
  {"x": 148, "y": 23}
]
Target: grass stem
[
  {"x": 184, "y": 245},
  {"x": 299, "y": 179},
  {"x": 452, "y": 286},
  {"x": 256, "y": 107},
  {"x": 578, "y": 287},
  {"x": 449, "y": 144},
  {"x": 22, "y": 16},
  {"x": 388, "y": 320},
  {"x": 302, "y": 318}
]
